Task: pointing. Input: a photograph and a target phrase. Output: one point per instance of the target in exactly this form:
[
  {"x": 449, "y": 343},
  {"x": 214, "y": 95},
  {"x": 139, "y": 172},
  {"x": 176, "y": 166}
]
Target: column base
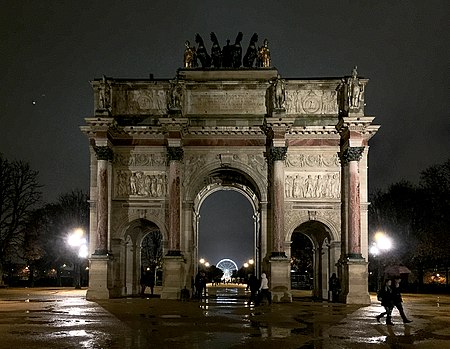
[
  {"x": 280, "y": 278},
  {"x": 356, "y": 287},
  {"x": 173, "y": 277},
  {"x": 99, "y": 269}
]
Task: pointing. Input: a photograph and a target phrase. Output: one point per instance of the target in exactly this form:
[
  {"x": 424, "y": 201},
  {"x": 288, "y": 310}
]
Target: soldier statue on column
[{"x": 354, "y": 90}]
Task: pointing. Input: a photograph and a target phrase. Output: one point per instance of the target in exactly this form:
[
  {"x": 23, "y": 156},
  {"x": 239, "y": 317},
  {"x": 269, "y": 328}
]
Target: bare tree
[{"x": 19, "y": 195}]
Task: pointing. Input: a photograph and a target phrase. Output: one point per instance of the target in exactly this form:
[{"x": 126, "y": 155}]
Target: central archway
[
  {"x": 226, "y": 227},
  {"x": 228, "y": 190}
]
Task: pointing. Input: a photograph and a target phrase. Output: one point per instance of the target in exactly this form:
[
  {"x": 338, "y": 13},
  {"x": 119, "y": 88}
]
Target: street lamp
[
  {"x": 381, "y": 244},
  {"x": 78, "y": 242}
]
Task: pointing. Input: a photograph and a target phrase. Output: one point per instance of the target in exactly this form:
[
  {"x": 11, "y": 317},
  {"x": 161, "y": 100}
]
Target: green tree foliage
[{"x": 19, "y": 195}]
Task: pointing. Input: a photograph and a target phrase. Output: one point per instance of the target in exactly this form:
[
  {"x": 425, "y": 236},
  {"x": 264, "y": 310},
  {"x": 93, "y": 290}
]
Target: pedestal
[
  {"x": 280, "y": 279},
  {"x": 173, "y": 277},
  {"x": 356, "y": 279},
  {"x": 99, "y": 268}
]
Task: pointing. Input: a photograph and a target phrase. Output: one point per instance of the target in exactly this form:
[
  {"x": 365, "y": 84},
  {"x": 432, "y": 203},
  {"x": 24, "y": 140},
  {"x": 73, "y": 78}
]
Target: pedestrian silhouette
[{"x": 385, "y": 296}]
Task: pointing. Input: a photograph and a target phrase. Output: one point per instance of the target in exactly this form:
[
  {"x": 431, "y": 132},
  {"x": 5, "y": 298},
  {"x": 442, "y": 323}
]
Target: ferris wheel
[{"x": 227, "y": 266}]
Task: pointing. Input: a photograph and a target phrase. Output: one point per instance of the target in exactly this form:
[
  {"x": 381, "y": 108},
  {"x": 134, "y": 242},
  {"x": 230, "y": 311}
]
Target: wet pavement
[{"x": 63, "y": 318}]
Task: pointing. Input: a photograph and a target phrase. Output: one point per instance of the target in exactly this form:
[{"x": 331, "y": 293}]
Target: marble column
[
  {"x": 174, "y": 156},
  {"x": 278, "y": 155},
  {"x": 351, "y": 157},
  {"x": 104, "y": 154}
]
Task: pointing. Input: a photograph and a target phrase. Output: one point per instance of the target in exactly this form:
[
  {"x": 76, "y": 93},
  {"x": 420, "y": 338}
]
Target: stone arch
[
  {"x": 204, "y": 176},
  {"x": 328, "y": 219},
  {"x": 241, "y": 184},
  {"x": 128, "y": 249},
  {"x": 133, "y": 220},
  {"x": 326, "y": 250}
]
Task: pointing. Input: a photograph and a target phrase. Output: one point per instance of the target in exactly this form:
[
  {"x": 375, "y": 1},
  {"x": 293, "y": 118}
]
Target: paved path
[{"x": 62, "y": 318}]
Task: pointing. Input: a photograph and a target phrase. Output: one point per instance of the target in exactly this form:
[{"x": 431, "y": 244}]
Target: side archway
[
  {"x": 142, "y": 247},
  {"x": 325, "y": 253}
]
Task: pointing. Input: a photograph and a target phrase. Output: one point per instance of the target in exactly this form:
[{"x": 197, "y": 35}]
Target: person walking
[
  {"x": 335, "y": 288},
  {"x": 397, "y": 300},
  {"x": 264, "y": 290},
  {"x": 254, "y": 286},
  {"x": 385, "y": 296}
]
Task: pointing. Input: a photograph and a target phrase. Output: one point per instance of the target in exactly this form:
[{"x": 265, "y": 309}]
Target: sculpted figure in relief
[
  {"x": 312, "y": 186},
  {"x": 176, "y": 94},
  {"x": 140, "y": 184}
]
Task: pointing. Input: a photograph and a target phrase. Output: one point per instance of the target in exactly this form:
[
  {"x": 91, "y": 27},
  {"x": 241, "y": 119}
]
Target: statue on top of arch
[{"x": 230, "y": 56}]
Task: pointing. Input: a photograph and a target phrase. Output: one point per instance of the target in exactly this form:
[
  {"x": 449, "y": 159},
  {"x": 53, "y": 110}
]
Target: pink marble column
[
  {"x": 104, "y": 154},
  {"x": 352, "y": 157},
  {"x": 278, "y": 155},
  {"x": 175, "y": 155}
]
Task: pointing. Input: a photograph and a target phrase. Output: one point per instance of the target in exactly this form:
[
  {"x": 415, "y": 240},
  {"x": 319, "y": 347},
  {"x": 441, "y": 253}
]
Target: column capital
[
  {"x": 103, "y": 153},
  {"x": 175, "y": 153},
  {"x": 351, "y": 154},
  {"x": 278, "y": 153}
]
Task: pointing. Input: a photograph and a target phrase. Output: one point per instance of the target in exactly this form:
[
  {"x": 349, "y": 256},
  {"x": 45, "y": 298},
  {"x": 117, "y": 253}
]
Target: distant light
[
  {"x": 251, "y": 261},
  {"x": 207, "y": 264},
  {"x": 33, "y": 102},
  {"x": 83, "y": 251},
  {"x": 76, "y": 238},
  {"x": 383, "y": 241},
  {"x": 202, "y": 261},
  {"x": 245, "y": 265},
  {"x": 374, "y": 250}
]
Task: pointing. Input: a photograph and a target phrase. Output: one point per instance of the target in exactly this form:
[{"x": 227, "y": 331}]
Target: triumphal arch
[{"x": 296, "y": 148}]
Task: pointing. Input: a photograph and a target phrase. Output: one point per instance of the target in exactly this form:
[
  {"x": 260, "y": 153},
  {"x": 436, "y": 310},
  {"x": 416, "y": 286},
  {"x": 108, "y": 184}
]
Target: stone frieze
[
  {"x": 312, "y": 185},
  {"x": 300, "y": 101},
  {"x": 140, "y": 159},
  {"x": 312, "y": 160},
  {"x": 140, "y": 184}
]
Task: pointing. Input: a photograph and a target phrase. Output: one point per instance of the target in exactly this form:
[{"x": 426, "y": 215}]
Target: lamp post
[
  {"x": 78, "y": 242},
  {"x": 381, "y": 244}
]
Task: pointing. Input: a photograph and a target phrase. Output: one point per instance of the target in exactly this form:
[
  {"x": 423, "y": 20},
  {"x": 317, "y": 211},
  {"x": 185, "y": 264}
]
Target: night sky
[{"x": 50, "y": 50}]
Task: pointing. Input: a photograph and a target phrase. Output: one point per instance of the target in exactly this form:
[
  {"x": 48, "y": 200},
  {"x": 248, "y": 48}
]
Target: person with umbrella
[
  {"x": 385, "y": 296},
  {"x": 397, "y": 300}
]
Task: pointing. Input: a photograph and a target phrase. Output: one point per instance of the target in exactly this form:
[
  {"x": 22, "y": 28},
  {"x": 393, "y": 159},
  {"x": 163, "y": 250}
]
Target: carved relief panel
[
  {"x": 312, "y": 185},
  {"x": 309, "y": 101},
  {"x": 140, "y": 101},
  {"x": 146, "y": 184},
  {"x": 312, "y": 176},
  {"x": 140, "y": 175}
]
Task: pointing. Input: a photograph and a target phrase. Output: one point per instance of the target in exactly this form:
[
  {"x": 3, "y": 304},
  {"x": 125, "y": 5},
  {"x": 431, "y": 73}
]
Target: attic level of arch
[
  {"x": 228, "y": 103},
  {"x": 207, "y": 93}
]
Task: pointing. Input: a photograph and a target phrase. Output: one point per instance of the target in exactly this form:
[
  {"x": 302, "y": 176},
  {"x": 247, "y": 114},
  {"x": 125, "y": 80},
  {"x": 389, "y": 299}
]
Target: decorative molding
[
  {"x": 103, "y": 153},
  {"x": 278, "y": 153},
  {"x": 311, "y": 160},
  {"x": 175, "y": 153},
  {"x": 352, "y": 154},
  {"x": 140, "y": 159}
]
